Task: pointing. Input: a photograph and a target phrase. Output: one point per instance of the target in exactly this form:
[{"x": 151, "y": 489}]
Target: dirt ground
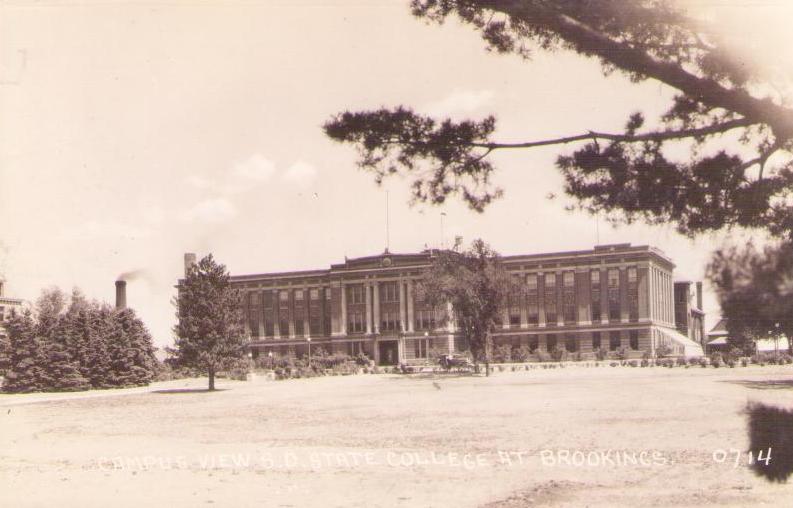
[{"x": 567, "y": 437}]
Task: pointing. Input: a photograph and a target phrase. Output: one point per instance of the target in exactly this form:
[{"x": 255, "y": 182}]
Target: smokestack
[
  {"x": 189, "y": 260},
  {"x": 121, "y": 294},
  {"x": 699, "y": 295}
]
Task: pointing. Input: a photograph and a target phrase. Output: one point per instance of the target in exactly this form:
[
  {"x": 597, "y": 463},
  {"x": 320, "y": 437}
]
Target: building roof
[
  {"x": 720, "y": 328},
  {"x": 388, "y": 260}
]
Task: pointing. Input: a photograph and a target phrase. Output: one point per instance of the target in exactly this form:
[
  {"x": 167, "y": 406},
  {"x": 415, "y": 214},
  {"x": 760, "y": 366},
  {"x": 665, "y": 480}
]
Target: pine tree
[
  {"x": 61, "y": 371},
  {"x": 25, "y": 371},
  {"x": 210, "y": 335}
]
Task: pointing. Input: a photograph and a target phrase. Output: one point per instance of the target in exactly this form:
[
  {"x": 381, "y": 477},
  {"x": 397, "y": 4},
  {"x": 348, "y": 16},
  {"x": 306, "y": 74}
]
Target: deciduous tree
[
  {"x": 755, "y": 290},
  {"x": 476, "y": 285}
]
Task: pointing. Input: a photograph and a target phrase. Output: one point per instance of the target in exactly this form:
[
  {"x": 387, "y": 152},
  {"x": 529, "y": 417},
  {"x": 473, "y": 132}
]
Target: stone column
[
  {"x": 505, "y": 318},
  {"x": 524, "y": 302},
  {"x": 541, "y": 300},
  {"x": 411, "y": 319},
  {"x": 402, "y": 307},
  {"x": 368, "y": 291},
  {"x": 343, "y": 326},
  {"x": 450, "y": 317},
  {"x": 376, "y": 313}
]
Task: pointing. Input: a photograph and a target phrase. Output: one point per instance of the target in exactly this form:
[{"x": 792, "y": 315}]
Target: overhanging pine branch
[
  {"x": 591, "y": 42},
  {"x": 650, "y": 136}
]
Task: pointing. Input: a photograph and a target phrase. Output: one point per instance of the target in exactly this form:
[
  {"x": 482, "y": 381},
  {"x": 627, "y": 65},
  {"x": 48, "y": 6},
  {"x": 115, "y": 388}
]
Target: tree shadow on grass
[
  {"x": 768, "y": 384},
  {"x": 172, "y": 391}
]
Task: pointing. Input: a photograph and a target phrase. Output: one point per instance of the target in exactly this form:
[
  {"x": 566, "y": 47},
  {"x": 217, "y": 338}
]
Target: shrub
[
  {"x": 601, "y": 353},
  {"x": 633, "y": 363},
  {"x": 621, "y": 353},
  {"x": 502, "y": 353},
  {"x": 576, "y": 356},
  {"x": 543, "y": 356},
  {"x": 744, "y": 362},
  {"x": 645, "y": 362},
  {"x": 613, "y": 364},
  {"x": 560, "y": 355},
  {"x": 734, "y": 354},
  {"x": 681, "y": 361},
  {"x": 662, "y": 351},
  {"x": 703, "y": 362}
]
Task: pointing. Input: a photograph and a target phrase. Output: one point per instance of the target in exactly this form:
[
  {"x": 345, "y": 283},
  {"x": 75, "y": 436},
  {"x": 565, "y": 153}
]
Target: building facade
[
  {"x": 689, "y": 316},
  {"x": 614, "y": 297},
  {"x": 7, "y": 306}
]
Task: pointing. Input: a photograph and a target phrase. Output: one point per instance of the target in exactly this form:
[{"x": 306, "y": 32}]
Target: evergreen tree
[
  {"x": 26, "y": 372},
  {"x": 61, "y": 371},
  {"x": 130, "y": 350},
  {"x": 210, "y": 334}
]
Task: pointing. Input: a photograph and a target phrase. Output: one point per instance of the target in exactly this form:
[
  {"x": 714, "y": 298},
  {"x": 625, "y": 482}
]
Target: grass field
[{"x": 388, "y": 440}]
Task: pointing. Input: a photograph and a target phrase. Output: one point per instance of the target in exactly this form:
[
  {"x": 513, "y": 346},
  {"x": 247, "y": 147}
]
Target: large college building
[{"x": 616, "y": 297}]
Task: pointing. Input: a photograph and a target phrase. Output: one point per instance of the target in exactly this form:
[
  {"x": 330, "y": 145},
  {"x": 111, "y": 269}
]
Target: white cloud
[
  {"x": 215, "y": 210},
  {"x": 300, "y": 173},
  {"x": 459, "y": 101},
  {"x": 257, "y": 168}
]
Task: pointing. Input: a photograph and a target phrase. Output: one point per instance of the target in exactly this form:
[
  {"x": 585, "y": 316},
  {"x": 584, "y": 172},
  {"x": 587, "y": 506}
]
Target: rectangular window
[
  {"x": 389, "y": 321},
  {"x": 514, "y": 316},
  {"x": 550, "y": 341},
  {"x": 634, "y": 339},
  {"x": 532, "y": 300},
  {"x": 355, "y": 294},
  {"x": 425, "y": 319},
  {"x": 253, "y": 314},
  {"x": 299, "y": 295},
  {"x": 283, "y": 295},
  {"x": 422, "y": 348},
  {"x": 570, "y": 342},
  {"x": 614, "y": 341},
  {"x": 595, "y": 341},
  {"x": 614, "y": 294},
  {"x": 283, "y": 325},
  {"x": 568, "y": 297},
  {"x": 389, "y": 292},
  {"x": 314, "y": 294},
  {"x": 550, "y": 298},
  {"x": 299, "y": 327},
  {"x": 594, "y": 278},
  {"x": 633, "y": 294},
  {"x": 356, "y": 322},
  {"x": 355, "y": 348}
]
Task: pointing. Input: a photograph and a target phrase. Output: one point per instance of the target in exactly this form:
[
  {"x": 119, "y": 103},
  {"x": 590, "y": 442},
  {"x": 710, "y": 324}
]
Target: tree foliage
[
  {"x": 755, "y": 290},
  {"x": 631, "y": 174},
  {"x": 210, "y": 333},
  {"x": 73, "y": 344},
  {"x": 476, "y": 285}
]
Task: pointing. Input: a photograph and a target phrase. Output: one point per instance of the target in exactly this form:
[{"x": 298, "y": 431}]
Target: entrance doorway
[{"x": 389, "y": 352}]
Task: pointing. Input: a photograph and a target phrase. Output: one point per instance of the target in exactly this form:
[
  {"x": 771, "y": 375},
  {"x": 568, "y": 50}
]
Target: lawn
[{"x": 565, "y": 437}]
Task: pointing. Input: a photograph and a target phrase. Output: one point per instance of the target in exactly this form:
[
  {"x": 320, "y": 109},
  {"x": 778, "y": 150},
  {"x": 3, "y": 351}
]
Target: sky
[{"x": 133, "y": 132}]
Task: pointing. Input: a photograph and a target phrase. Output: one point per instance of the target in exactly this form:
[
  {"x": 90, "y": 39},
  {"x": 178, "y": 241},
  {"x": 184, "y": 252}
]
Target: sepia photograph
[{"x": 396, "y": 253}]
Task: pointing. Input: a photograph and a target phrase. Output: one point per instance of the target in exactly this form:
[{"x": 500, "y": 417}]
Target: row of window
[{"x": 570, "y": 341}]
